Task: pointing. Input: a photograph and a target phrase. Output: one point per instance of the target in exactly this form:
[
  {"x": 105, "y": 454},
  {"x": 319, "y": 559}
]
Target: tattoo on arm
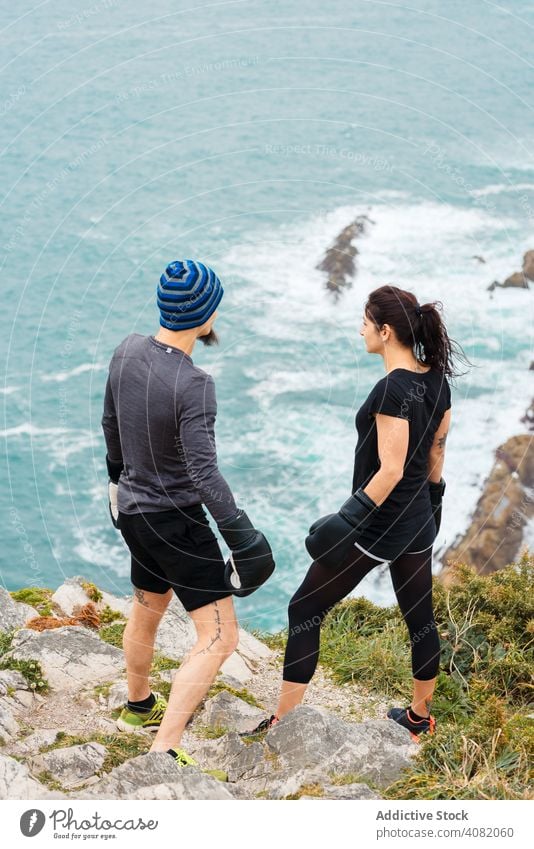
[
  {"x": 140, "y": 596},
  {"x": 441, "y": 441}
]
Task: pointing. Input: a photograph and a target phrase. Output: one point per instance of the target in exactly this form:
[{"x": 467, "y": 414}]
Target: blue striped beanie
[{"x": 188, "y": 293}]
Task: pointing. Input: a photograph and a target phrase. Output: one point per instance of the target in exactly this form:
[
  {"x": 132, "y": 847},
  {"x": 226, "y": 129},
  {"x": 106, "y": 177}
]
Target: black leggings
[{"x": 322, "y": 588}]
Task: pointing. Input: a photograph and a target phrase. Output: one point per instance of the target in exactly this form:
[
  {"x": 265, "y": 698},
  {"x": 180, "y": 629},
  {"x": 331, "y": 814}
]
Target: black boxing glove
[
  {"x": 319, "y": 522},
  {"x": 251, "y": 560},
  {"x": 331, "y": 537},
  {"x": 436, "y": 494},
  {"x": 114, "y": 471}
]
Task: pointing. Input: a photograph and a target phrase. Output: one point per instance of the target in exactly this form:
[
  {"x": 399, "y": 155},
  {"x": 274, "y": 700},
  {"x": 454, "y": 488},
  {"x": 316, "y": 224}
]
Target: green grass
[
  {"x": 484, "y": 744},
  {"x": 31, "y": 669},
  {"x": 161, "y": 686},
  {"x": 120, "y": 747},
  {"x": 38, "y": 597},
  {"x": 274, "y": 641},
  {"x": 209, "y": 733},
  {"x": 107, "y": 615},
  {"x": 113, "y": 633},
  {"x": 489, "y": 756},
  {"x": 92, "y": 591},
  {"x": 342, "y": 779},
  {"x": 102, "y": 689},
  {"x": 314, "y": 790},
  {"x": 6, "y": 638},
  {"x": 243, "y": 694},
  {"x": 32, "y": 672},
  {"x": 160, "y": 663},
  {"x": 49, "y": 780}
]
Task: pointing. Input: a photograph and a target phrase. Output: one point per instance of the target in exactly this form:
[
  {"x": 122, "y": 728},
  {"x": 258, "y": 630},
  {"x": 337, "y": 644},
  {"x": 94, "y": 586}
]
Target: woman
[{"x": 395, "y": 510}]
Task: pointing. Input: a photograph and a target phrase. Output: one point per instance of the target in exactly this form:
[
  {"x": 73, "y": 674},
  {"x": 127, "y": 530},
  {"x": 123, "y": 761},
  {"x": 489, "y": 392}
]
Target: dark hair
[{"x": 419, "y": 327}]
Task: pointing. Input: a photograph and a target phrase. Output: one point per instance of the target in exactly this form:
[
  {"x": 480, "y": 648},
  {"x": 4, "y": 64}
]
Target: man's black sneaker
[
  {"x": 264, "y": 726},
  {"x": 404, "y": 717}
]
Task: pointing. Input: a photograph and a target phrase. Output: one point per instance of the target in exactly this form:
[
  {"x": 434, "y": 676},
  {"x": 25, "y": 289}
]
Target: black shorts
[{"x": 175, "y": 549}]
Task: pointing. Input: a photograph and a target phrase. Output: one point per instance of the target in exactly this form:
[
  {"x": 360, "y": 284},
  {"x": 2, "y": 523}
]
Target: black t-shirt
[{"x": 405, "y": 521}]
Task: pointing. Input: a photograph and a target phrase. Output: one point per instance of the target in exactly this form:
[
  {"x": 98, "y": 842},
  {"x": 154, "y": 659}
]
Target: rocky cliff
[
  {"x": 62, "y": 684},
  {"x": 495, "y": 535}
]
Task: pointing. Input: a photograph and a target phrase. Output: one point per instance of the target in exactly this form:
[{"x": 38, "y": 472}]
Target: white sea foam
[
  {"x": 500, "y": 188},
  {"x": 58, "y": 443},
  {"x": 99, "y": 551},
  {"x": 31, "y": 429},
  {"x": 308, "y": 447},
  {"x": 61, "y": 376}
]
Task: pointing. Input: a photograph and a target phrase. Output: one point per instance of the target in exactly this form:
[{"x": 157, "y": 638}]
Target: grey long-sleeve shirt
[{"x": 158, "y": 420}]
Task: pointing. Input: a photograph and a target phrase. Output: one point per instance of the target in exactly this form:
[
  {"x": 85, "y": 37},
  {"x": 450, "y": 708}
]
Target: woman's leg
[
  {"x": 411, "y": 575},
  {"x": 317, "y": 594}
]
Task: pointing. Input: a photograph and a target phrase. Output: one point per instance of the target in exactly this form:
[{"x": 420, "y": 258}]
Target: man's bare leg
[
  {"x": 138, "y": 639},
  {"x": 217, "y": 638}
]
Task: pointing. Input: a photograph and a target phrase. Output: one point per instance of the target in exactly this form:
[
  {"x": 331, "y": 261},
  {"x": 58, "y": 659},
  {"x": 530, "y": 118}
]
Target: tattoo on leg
[
  {"x": 140, "y": 596},
  {"x": 216, "y": 636}
]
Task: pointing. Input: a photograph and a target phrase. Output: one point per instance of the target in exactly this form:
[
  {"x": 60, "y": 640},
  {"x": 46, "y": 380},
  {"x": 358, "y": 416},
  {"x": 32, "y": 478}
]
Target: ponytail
[{"x": 419, "y": 327}]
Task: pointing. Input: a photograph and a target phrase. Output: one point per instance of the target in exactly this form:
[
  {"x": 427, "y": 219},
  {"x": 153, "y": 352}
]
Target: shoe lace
[
  {"x": 265, "y": 724},
  {"x": 182, "y": 758},
  {"x": 158, "y": 708}
]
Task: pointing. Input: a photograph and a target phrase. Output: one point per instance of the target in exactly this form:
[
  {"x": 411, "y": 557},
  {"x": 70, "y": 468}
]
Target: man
[{"x": 158, "y": 422}]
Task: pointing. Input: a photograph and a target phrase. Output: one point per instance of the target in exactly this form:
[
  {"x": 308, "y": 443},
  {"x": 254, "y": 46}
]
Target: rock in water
[
  {"x": 519, "y": 279},
  {"x": 528, "y": 265},
  {"x": 338, "y": 261},
  {"x": 495, "y": 532},
  {"x": 528, "y": 418}
]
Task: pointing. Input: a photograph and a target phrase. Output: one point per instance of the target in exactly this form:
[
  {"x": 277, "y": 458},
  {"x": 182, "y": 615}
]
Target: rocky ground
[{"x": 63, "y": 743}]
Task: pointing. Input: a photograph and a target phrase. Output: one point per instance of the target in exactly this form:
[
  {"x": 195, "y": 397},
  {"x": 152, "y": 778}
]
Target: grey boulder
[
  {"x": 17, "y": 783},
  {"x": 224, "y": 710},
  {"x": 72, "y": 765},
  {"x": 13, "y": 614},
  {"x": 156, "y": 776},
  {"x": 308, "y": 737},
  {"x": 70, "y": 657}
]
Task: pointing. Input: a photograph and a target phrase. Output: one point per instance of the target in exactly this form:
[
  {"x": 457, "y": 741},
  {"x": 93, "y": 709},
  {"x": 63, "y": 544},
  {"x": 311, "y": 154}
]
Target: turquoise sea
[{"x": 248, "y": 134}]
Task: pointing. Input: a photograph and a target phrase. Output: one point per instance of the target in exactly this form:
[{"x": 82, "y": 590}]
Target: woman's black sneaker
[
  {"x": 264, "y": 726},
  {"x": 404, "y": 717}
]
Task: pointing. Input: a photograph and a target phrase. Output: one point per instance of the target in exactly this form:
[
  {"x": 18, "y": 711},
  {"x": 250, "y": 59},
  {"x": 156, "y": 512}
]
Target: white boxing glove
[
  {"x": 113, "y": 489},
  {"x": 114, "y": 471}
]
